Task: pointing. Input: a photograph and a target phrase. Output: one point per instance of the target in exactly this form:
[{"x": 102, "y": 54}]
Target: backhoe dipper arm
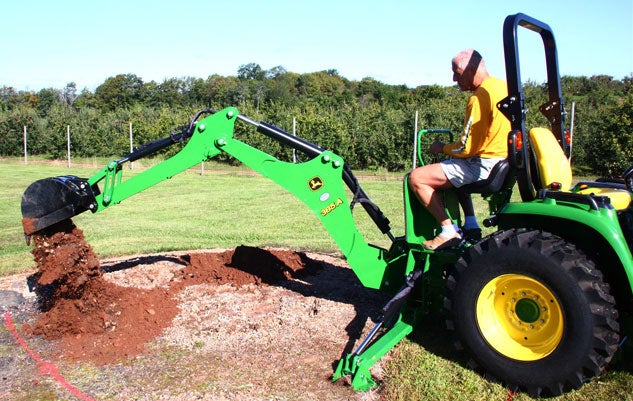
[
  {"x": 312, "y": 150},
  {"x": 317, "y": 182}
]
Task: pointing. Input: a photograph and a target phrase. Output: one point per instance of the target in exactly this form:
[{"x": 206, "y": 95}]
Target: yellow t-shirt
[{"x": 485, "y": 128}]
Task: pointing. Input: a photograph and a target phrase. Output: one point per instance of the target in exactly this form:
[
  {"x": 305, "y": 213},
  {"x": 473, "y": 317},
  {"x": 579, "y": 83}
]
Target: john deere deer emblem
[{"x": 315, "y": 183}]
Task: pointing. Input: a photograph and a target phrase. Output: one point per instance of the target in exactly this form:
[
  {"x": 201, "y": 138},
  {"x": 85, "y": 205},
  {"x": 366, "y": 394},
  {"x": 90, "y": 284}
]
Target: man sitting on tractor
[{"x": 481, "y": 146}]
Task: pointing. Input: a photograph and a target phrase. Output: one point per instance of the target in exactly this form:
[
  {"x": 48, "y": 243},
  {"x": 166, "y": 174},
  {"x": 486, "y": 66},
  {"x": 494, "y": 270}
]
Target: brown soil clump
[
  {"x": 103, "y": 322},
  {"x": 66, "y": 263}
]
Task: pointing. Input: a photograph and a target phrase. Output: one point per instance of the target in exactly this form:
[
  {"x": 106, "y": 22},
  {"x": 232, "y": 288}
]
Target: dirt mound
[
  {"x": 97, "y": 320},
  {"x": 244, "y": 265}
]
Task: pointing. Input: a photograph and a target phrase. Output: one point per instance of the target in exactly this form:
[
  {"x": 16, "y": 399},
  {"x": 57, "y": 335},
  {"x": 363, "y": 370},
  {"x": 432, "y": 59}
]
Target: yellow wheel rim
[{"x": 520, "y": 317}]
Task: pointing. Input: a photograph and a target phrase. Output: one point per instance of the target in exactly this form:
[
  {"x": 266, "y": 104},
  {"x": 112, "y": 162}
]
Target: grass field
[{"x": 223, "y": 209}]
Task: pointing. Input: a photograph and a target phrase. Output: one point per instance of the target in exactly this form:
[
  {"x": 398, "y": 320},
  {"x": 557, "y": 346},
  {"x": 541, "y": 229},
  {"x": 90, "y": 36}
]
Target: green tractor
[{"x": 537, "y": 303}]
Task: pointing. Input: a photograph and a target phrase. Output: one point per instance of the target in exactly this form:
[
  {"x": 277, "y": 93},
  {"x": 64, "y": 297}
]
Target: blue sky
[{"x": 51, "y": 43}]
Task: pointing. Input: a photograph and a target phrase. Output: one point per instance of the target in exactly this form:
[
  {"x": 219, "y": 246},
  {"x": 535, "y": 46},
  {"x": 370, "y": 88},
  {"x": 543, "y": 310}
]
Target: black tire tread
[{"x": 589, "y": 278}]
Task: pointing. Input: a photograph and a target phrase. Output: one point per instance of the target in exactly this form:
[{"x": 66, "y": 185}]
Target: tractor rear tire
[{"x": 533, "y": 311}]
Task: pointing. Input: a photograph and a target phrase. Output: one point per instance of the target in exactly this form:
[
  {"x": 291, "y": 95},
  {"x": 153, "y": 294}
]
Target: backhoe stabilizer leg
[
  {"x": 397, "y": 322},
  {"x": 356, "y": 365}
]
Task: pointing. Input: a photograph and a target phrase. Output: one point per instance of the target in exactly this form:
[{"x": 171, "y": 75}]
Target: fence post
[
  {"x": 68, "y": 143},
  {"x": 415, "y": 140},
  {"x": 131, "y": 146},
  {"x": 25, "y": 153},
  {"x": 294, "y": 132}
]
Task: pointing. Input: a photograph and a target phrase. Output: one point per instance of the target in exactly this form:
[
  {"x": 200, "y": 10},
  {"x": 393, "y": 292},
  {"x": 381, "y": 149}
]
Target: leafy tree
[
  {"x": 239, "y": 93},
  {"x": 68, "y": 95},
  {"x": 168, "y": 93},
  {"x": 612, "y": 142},
  {"x": 251, "y": 71},
  {"x": 120, "y": 91},
  {"x": 325, "y": 87},
  {"x": 214, "y": 91},
  {"x": 12, "y": 123},
  {"x": 47, "y": 98},
  {"x": 275, "y": 72},
  {"x": 282, "y": 89}
]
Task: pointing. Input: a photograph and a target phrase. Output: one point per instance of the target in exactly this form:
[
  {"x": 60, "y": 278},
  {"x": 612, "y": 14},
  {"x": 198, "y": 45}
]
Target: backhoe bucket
[{"x": 51, "y": 200}]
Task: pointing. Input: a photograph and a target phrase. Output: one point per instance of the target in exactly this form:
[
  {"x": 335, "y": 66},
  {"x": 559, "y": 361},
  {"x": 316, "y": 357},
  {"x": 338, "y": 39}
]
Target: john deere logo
[{"x": 315, "y": 183}]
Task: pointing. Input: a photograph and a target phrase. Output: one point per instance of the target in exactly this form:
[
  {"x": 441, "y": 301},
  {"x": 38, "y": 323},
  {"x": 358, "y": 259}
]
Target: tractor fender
[{"x": 596, "y": 233}]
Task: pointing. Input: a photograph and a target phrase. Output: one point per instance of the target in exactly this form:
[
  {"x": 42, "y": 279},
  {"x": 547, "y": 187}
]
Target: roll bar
[
  {"x": 554, "y": 110},
  {"x": 513, "y": 106}
]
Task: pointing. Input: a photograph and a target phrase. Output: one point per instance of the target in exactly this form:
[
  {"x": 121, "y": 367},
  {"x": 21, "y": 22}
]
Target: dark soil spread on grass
[{"x": 97, "y": 320}]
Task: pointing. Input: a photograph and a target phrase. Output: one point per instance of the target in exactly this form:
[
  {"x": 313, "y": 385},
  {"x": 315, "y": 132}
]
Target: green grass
[
  {"x": 426, "y": 366},
  {"x": 220, "y": 209}
]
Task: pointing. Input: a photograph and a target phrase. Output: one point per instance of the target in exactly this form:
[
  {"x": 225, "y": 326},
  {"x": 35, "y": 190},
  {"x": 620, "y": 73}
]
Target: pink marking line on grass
[{"x": 45, "y": 368}]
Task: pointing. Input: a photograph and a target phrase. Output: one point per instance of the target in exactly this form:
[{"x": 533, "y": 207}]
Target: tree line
[{"x": 369, "y": 123}]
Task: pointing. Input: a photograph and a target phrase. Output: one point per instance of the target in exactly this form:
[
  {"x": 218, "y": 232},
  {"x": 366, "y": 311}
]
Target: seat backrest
[
  {"x": 493, "y": 183},
  {"x": 552, "y": 165}
]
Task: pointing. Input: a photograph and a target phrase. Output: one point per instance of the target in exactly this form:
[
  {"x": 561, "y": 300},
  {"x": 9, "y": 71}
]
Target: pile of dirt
[
  {"x": 244, "y": 265},
  {"x": 98, "y": 320}
]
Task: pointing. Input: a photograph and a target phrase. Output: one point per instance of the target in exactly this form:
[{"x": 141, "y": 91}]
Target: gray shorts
[{"x": 464, "y": 171}]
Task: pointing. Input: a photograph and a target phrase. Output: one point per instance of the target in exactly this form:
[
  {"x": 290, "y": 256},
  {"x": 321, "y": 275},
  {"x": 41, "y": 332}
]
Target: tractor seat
[
  {"x": 492, "y": 184},
  {"x": 620, "y": 197},
  {"x": 554, "y": 168}
]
